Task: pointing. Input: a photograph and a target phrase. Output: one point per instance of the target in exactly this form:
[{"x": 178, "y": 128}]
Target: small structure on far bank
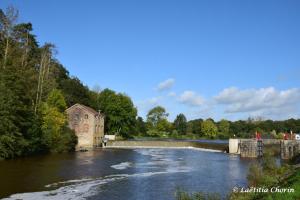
[
  {"x": 252, "y": 148},
  {"x": 88, "y": 125},
  {"x": 289, "y": 148}
]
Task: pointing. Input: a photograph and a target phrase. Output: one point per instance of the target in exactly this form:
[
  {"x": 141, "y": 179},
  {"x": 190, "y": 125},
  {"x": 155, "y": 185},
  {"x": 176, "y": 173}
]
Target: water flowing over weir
[
  {"x": 208, "y": 145},
  {"x": 123, "y": 174}
]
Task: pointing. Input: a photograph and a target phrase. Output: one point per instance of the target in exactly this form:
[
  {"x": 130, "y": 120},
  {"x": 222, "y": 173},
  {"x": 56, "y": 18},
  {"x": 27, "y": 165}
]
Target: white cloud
[
  {"x": 264, "y": 101},
  {"x": 149, "y": 102},
  {"x": 191, "y": 98},
  {"x": 171, "y": 94},
  {"x": 165, "y": 85}
]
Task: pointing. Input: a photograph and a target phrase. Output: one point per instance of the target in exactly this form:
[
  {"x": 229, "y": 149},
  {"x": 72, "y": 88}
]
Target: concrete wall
[
  {"x": 110, "y": 137},
  {"x": 234, "y": 146}
]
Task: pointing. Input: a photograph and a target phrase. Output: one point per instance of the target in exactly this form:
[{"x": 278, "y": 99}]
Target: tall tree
[
  {"x": 180, "y": 124},
  {"x": 44, "y": 71},
  {"x": 7, "y": 22},
  {"x": 157, "y": 122},
  {"x": 120, "y": 113}
]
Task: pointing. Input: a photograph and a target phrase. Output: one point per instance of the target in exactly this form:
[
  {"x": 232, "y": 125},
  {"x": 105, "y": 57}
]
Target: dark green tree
[
  {"x": 120, "y": 113},
  {"x": 141, "y": 128},
  {"x": 223, "y": 128},
  {"x": 180, "y": 124}
]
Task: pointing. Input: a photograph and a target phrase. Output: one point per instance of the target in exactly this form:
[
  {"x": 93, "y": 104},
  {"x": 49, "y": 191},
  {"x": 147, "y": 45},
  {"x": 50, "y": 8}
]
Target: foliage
[
  {"x": 140, "y": 127},
  {"x": 28, "y": 74},
  {"x": 157, "y": 123},
  {"x": 183, "y": 195},
  {"x": 209, "y": 129},
  {"x": 54, "y": 129},
  {"x": 223, "y": 128},
  {"x": 120, "y": 113},
  {"x": 194, "y": 126},
  {"x": 155, "y": 115},
  {"x": 180, "y": 124}
]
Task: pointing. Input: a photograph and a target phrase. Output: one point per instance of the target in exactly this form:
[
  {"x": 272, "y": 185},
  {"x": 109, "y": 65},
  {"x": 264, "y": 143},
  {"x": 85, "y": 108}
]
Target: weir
[
  {"x": 221, "y": 147},
  {"x": 252, "y": 148}
]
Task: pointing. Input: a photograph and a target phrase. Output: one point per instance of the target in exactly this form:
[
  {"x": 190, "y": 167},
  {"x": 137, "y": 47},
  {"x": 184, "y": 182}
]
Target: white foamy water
[
  {"x": 123, "y": 165},
  {"x": 67, "y": 182},
  {"x": 82, "y": 188}
]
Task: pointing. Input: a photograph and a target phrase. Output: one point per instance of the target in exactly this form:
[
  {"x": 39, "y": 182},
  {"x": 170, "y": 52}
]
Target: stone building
[{"x": 88, "y": 125}]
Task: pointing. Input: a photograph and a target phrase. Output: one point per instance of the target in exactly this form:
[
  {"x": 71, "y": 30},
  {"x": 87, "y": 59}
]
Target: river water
[{"x": 121, "y": 174}]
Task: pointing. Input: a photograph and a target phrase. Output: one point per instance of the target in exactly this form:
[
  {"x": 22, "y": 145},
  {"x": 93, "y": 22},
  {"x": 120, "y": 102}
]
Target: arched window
[{"x": 86, "y": 116}]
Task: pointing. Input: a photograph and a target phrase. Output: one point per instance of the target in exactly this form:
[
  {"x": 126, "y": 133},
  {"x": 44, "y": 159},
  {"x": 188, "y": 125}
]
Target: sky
[{"x": 215, "y": 59}]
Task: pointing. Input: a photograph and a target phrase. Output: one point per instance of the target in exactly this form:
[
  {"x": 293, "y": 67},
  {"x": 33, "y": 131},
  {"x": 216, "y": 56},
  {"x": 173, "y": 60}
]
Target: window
[
  {"x": 86, "y": 116},
  {"x": 77, "y": 117}
]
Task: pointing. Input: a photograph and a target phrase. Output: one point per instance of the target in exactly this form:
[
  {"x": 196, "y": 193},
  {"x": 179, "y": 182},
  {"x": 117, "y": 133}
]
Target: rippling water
[{"x": 121, "y": 174}]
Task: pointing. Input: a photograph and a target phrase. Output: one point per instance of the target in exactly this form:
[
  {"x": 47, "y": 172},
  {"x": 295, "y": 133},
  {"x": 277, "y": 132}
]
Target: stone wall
[
  {"x": 248, "y": 148},
  {"x": 87, "y": 124},
  {"x": 289, "y": 148},
  {"x": 82, "y": 122},
  {"x": 99, "y": 131}
]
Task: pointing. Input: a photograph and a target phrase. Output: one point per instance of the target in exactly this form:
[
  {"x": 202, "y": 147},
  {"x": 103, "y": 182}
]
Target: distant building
[{"x": 88, "y": 125}]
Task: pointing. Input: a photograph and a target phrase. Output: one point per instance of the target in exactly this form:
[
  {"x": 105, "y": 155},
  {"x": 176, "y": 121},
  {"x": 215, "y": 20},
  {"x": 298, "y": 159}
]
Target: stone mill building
[{"x": 88, "y": 125}]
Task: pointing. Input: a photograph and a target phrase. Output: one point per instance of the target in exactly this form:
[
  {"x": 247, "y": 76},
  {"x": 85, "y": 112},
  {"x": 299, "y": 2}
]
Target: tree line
[
  {"x": 157, "y": 125},
  {"x": 35, "y": 90}
]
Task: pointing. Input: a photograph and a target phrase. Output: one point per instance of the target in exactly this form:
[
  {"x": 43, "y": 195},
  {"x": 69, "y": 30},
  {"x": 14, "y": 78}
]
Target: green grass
[{"x": 293, "y": 182}]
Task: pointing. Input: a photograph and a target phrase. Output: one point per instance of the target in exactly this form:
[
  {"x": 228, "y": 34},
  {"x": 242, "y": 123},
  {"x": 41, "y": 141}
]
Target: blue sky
[{"x": 215, "y": 58}]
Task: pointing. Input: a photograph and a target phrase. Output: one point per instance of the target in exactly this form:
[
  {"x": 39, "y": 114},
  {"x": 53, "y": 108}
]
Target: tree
[
  {"x": 10, "y": 135},
  {"x": 44, "y": 70},
  {"x": 209, "y": 129},
  {"x": 54, "y": 125},
  {"x": 194, "y": 126},
  {"x": 157, "y": 122},
  {"x": 180, "y": 124},
  {"x": 223, "y": 127},
  {"x": 7, "y": 22},
  {"x": 156, "y": 114},
  {"x": 75, "y": 91},
  {"x": 140, "y": 125},
  {"x": 120, "y": 113}
]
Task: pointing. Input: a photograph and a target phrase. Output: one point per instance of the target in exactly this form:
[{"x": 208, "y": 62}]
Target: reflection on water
[{"x": 121, "y": 174}]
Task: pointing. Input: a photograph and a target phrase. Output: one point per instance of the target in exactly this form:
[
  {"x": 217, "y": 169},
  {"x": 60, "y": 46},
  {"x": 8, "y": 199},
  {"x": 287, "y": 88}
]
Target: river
[{"x": 121, "y": 174}]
